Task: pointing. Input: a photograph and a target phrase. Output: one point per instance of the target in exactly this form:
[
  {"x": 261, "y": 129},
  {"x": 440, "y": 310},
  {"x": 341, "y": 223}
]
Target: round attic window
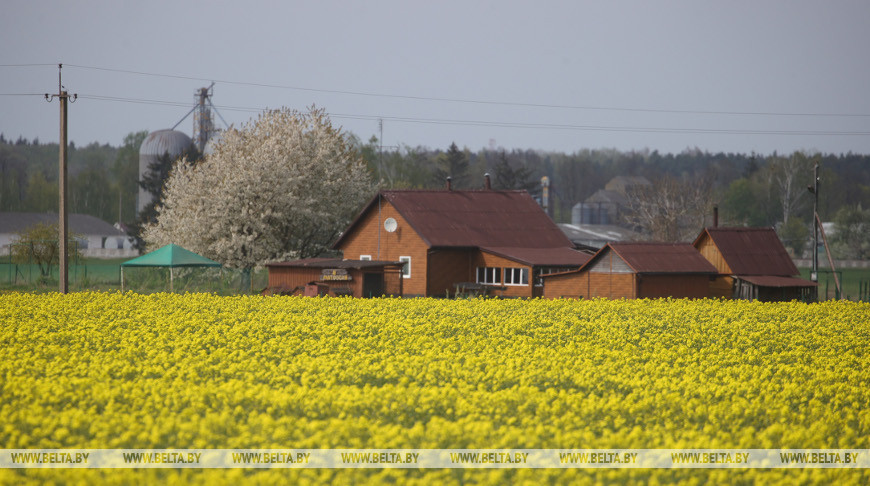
[{"x": 390, "y": 225}]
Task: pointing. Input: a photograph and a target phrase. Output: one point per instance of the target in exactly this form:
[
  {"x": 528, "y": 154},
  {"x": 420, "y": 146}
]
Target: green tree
[
  {"x": 510, "y": 177},
  {"x": 126, "y": 176},
  {"x": 39, "y": 244},
  {"x": 13, "y": 178},
  {"x": 794, "y": 235},
  {"x": 453, "y": 164},
  {"x": 41, "y": 194}
]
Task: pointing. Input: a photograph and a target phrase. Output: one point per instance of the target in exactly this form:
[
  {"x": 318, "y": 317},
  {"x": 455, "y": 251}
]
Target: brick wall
[
  {"x": 677, "y": 286},
  {"x": 569, "y": 286},
  {"x": 370, "y": 238}
]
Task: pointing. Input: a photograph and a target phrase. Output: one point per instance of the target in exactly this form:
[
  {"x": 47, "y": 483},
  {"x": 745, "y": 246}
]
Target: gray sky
[{"x": 734, "y": 76}]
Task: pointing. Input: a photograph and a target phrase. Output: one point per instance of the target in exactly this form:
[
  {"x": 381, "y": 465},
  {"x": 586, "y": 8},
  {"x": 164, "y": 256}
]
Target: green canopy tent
[{"x": 172, "y": 256}]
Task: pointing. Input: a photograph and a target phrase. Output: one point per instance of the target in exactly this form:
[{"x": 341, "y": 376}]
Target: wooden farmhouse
[
  {"x": 636, "y": 271},
  {"x": 752, "y": 263},
  {"x": 494, "y": 242}
]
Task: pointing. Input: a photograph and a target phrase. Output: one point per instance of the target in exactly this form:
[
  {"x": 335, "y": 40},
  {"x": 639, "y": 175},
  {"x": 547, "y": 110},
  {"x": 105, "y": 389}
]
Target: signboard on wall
[{"x": 335, "y": 275}]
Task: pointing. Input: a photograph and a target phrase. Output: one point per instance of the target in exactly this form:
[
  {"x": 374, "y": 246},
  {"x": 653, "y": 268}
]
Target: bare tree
[
  {"x": 670, "y": 209},
  {"x": 788, "y": 176}
]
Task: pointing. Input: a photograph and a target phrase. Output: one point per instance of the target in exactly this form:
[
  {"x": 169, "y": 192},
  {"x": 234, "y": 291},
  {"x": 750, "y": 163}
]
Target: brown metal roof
[
  {"x": 555, "y": 257},
  {"x": 335, "y": 263},
  {"x": 662, "y": 257},
  {"x": 751, "y": 251},
  {"x": 775, "y": 281},
  {"x": 482, "y": 218}
]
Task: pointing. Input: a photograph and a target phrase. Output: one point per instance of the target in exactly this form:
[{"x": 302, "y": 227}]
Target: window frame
[
  {"x": 523, "y": 276},
  {"x": 488, "y": 272},
  {"x": 407, "y": 260}
]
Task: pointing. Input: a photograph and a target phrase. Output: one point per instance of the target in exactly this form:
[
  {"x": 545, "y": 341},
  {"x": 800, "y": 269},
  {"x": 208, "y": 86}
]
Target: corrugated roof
[
  {"x": 751, "y": 251},
  {"x": 335, "y": 263},
  {"x": 83, "y": 224},
  {"x": 662, "y": 257},
  {"x": 776, "y": 281},
  {"x": 542, "y": 256},
  {"x": 483, "y": 218}
]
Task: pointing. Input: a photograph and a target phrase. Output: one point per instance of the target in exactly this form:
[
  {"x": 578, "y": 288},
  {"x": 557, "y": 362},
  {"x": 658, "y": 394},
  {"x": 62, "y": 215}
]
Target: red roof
[
  {"x": 751, "y": 251},
  {"x": 661, "y": 257},
  {"x": 481, "y": 218}
]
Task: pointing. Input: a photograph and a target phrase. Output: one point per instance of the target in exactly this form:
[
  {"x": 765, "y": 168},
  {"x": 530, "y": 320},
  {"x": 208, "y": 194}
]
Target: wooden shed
[
  {"x": 334, "y": 277},
  {"x": 636, "y": 270},
  {"x": 752, "y": 263}
]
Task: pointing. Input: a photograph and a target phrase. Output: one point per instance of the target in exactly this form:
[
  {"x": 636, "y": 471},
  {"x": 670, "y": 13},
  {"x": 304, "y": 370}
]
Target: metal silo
[{"x": 155, "y": 145}]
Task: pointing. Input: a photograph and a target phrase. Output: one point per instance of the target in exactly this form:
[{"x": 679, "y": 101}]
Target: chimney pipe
[
  {"x": 449, "y": 183},
  {"x": 486, "y": 181},
  {"x": 715, "y": 216}
]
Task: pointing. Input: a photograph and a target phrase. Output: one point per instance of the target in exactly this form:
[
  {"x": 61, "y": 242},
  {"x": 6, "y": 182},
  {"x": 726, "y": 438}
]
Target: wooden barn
[
  {"x": 636, "y": 271},
  {"x": 497, "y": 242},
  {"x": 752, "y": 263},
  {"x": 333, "y": 277}
]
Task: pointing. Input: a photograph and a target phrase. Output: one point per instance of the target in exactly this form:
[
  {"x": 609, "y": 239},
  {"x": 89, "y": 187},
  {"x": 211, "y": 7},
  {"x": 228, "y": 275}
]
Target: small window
[
  {"x": 488, "y": 275},
  {"x": 406, "y": 270},
  {"x": 365, "y": 257},
  {"x": 516, "y": 276}
]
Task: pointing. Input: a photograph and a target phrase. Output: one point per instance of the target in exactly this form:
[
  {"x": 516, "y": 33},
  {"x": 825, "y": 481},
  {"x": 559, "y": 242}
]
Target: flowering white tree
[{"x": 282, "y": 187}]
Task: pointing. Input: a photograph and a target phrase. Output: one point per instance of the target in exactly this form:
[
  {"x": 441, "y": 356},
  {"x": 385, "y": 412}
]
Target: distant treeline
[{"x": 752, "y": 189}]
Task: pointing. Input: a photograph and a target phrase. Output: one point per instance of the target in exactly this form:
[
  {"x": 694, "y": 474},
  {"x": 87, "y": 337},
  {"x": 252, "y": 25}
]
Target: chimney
[
  {"x": 449, "y": 183},
  {"x": 715, "y": 216},
  {"x": 486, "y": 182}
]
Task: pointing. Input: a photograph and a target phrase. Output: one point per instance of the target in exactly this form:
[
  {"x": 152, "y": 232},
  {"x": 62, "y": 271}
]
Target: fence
[{"x": 105, "y": 275}]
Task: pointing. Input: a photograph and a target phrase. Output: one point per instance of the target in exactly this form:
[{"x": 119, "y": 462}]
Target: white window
[
  {"x": 406, "y": 270},
  {"x": 365, "y": 257},
  {"x": 516, "y": 276},
  {"x": 488, "y": 275}
]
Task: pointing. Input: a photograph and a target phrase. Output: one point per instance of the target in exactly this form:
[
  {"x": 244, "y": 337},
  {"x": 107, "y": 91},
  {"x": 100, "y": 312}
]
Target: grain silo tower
[
  {"x": 153, "y": 147},
  {"x": 176, "y": 143}
]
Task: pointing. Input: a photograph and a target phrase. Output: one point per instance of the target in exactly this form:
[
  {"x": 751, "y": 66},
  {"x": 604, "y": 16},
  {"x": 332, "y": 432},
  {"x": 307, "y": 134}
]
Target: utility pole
[
  {"x": 63, "y": 229},
  {"x": 814, "y": 190}
]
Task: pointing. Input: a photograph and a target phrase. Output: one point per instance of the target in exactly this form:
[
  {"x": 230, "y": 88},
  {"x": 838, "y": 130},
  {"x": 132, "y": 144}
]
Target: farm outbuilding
[
  {"x": 752, "y": 263},
  {"x": 636, "y": 271},
  {"x": 335, "y": 277},
  {"x": 449, "y": 240}
]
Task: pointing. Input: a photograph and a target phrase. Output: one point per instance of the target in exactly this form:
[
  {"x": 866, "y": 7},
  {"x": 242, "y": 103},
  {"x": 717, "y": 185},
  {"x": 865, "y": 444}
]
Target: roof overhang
[{"x": 776, "y": 281}]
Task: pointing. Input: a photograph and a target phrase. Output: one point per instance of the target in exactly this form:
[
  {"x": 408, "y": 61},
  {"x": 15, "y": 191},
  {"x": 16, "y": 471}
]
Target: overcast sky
[{"x": 734, "y": 76}]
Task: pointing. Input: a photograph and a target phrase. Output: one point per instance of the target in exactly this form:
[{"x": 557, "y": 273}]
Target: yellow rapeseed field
[{"x": 111, "y": 370}]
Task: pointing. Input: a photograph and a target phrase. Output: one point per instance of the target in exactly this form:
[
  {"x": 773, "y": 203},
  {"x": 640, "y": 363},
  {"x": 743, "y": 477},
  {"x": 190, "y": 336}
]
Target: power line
[
  {"x": 481, "y": 102},
  {"x": 501, "y": 124}
]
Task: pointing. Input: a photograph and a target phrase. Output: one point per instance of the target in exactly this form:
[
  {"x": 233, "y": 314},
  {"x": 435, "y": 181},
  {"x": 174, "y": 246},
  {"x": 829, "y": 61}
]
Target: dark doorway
[{"x": 373, "y": 285}]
